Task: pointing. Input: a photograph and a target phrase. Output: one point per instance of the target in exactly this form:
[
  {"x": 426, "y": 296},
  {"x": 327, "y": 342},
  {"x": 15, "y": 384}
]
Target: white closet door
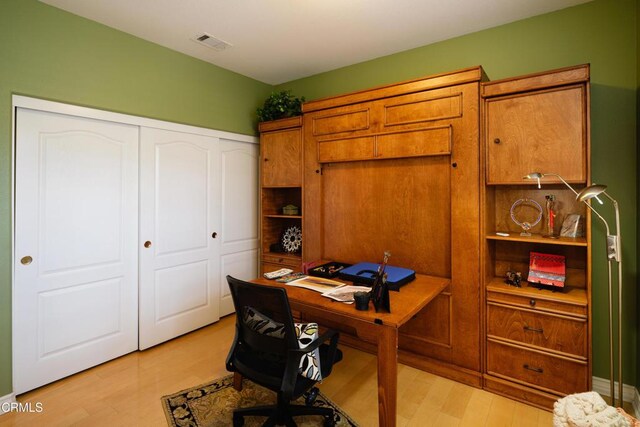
[
  {"x": 75, "y": 284},
  {"x": 239, "y": 219},
  {"x": 179, "y": 251}
]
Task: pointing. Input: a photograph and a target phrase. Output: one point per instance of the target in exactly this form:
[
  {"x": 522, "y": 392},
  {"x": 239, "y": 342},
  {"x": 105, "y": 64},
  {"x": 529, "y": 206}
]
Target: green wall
[
  {"x": 602, "y": 33},
  {"x": 48, "y": 53}
]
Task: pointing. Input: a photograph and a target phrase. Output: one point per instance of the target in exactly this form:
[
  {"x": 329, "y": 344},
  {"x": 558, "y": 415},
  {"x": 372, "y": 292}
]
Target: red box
[{"x": 547, "y": 269}]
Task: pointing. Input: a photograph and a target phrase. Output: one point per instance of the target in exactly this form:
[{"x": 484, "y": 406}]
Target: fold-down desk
[{"x": 379, "y": 328}]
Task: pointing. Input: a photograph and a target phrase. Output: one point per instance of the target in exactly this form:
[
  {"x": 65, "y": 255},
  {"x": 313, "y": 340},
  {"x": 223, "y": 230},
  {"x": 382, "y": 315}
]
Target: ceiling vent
[{"x": 212, "y": 42}]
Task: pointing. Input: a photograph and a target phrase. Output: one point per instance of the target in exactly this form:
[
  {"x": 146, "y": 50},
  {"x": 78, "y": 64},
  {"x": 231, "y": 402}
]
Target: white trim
[
  {"x": 603, "y": 387},
  {"x": 9, "y": 398},
  {"x": 93, "y": 113}
]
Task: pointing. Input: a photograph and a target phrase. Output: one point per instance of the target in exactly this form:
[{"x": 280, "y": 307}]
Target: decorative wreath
[
  {"x": 526, "y": 226},
  {"x": 292, "y": 239}
]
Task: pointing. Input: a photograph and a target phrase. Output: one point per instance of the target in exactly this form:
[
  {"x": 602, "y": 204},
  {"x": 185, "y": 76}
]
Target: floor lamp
[{"x": 613, "y": 253}]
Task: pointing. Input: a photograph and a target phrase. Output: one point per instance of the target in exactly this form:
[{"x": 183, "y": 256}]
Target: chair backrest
[{"x": 263, "y": 317}]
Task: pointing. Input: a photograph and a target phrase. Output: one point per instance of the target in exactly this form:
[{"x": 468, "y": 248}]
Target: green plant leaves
[{"x": 280, "y": 105}]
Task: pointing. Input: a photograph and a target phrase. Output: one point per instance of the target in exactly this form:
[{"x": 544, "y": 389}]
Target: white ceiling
[{"x": 275, "y": 41}]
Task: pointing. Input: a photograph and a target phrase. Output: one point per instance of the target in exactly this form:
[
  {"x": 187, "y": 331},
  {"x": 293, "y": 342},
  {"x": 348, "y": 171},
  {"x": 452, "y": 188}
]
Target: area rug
[{"x": 212, "y": 405}]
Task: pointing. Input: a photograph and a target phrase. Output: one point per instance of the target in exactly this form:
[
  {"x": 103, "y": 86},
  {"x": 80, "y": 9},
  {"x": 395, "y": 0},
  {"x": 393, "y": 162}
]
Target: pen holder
[{"x": 362, "y": 300}]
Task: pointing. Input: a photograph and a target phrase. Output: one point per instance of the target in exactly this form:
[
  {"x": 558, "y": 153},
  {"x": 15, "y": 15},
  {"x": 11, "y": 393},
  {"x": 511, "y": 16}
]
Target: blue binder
[{"x": 364, "y": 273}]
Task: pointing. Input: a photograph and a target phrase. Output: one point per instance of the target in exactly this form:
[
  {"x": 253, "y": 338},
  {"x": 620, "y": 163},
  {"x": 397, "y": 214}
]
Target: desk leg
[{"x": 387, "y": 375}]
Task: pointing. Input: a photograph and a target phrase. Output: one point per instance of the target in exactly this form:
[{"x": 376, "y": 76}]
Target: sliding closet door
[
  {"x": 179, "y": 249},
  {"x": 75, "y": 284},
  {"x": 239, "y": 215}
]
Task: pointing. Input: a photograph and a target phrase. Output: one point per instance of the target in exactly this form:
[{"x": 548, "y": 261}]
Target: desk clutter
[{"x": 372, "y": 281}]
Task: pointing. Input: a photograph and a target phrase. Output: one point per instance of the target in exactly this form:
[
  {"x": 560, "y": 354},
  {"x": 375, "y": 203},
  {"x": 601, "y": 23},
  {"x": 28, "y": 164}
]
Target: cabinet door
[
  {"x": 541, "y": 131},
  {"x": 179, "y": 288},
  {"x": 281, "y": 158}
]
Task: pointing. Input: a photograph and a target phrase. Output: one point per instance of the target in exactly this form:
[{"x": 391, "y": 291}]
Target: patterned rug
[{"x": 212, "y": 405}]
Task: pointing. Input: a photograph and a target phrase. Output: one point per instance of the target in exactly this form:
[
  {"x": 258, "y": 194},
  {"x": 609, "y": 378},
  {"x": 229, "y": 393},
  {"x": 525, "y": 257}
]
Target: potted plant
[{"x": 280, "y": 105}]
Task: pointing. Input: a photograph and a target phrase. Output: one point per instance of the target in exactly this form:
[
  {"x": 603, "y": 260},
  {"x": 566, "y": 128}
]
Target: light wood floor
[{"x": 127, "y": 391}]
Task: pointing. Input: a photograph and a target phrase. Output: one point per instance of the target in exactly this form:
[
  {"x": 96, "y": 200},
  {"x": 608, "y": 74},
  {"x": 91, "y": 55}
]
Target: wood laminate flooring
[{"x": 127, "y": 391}]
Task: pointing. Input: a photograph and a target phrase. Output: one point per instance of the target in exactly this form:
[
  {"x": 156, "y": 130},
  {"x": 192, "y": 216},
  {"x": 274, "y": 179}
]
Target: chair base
[{"x": 282, "y": 414}]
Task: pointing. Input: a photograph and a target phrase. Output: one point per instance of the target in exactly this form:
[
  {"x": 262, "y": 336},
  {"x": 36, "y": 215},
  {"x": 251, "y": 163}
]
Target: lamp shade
[
  {"x": 590, "y": 192},
  {"x": 534, "y": 175}
]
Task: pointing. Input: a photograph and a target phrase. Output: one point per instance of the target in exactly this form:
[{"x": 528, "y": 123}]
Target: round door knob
[
  {"x": 147, "y": 244},
  {"x": 26, "y": 260},
  {"x": 214, "y": 235}
]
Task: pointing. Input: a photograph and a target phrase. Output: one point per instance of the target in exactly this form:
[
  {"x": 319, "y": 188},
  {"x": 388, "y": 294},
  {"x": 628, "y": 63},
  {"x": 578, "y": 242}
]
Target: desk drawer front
[
  {"x": 557, "y": 333},
  {"x": 534, "y": 303},
  {"x": 558, "y": 374}
]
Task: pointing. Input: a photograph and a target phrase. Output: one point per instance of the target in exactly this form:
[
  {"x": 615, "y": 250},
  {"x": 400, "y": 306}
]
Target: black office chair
[{"x": 266, "y": 351}]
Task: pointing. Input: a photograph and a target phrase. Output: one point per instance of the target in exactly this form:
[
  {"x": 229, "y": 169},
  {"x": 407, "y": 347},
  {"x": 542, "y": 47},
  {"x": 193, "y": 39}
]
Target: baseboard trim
[
  {"x": 9, "y": 398},
  {"x": 602, "y": 386},
  {"x": 636, "y": 404}
]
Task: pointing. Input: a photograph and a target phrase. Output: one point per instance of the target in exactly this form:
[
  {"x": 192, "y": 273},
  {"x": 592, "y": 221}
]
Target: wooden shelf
[
  {"x": 568, "y": 294},
  {"x": 284, "y": 216},
  {"x": 537, "y": 238}
]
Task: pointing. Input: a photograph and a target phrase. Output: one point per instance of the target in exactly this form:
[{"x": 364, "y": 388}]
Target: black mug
[{"x": 362, "y": 300}]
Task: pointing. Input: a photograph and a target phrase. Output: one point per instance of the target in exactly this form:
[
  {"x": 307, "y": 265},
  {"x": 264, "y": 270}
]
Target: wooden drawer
[
  {"x": 536, "y": 368},
  {"x": 543, "y": 303},
  {"x": 559, "y": 333},
  {"x": 284, "y": 260}
]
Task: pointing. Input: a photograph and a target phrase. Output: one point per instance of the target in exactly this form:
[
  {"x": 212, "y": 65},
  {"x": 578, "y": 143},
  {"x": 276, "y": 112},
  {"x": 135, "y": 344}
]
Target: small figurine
[{"x": 513, "y": 278}]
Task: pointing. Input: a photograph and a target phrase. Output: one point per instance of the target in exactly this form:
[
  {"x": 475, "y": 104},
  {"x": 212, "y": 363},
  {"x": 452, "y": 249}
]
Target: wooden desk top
[{"x": 411, "y": 298}]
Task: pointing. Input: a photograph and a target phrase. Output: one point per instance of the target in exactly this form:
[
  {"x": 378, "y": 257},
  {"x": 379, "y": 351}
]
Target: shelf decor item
[
  {"x": 550, "y": 212},
  {"x": 526, "y": 225},
  {"x": 290, "y": 210},
  {"x": 292, "y": 239},
  {"x": 572, "y": 226},
  {"x": 280, "y": 105},
  {"x": 546, "y": 269}
]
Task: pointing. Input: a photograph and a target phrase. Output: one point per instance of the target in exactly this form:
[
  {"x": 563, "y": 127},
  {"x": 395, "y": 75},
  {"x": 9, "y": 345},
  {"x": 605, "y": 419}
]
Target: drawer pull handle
[
  {"x": 529, "y": 328},
  {"x": 496, "y": 141},
  {"x": 533, "y": 368},
  {"x": 532, "y": 303}
]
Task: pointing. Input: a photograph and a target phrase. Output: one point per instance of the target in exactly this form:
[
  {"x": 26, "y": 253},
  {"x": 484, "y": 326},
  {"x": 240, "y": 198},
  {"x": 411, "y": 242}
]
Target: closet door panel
[
  {"x": 179, "y": 290},
  {"x": 75, "y": 293},
  {"x": 238, "y": 198}
]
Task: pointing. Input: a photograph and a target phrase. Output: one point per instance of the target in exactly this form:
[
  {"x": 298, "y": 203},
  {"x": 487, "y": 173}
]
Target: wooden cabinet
[
  {"x": 281, "y": 185},
  {"x": 538, "y": 341},
  {"x": 396, "y": 168}
]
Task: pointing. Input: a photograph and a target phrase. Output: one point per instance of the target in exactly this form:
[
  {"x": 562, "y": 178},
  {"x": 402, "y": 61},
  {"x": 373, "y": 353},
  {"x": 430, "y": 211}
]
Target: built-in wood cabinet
[
  {"x": 429, "y": 169},
  {"x": 538, "y": 341},
  {"x": 280, "y": 186}
]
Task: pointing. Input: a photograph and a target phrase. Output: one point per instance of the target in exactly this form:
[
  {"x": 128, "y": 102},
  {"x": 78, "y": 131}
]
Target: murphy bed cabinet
[
  {"x": 280, "y": 185},
  {"x": 397, "y": 168},
  {"x": 538, "y": 342}
]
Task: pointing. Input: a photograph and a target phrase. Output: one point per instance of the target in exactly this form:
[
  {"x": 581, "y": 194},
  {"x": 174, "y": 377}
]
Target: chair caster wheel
[
  {"x": 238, "y": 420},
  {"x": 310, "y": 396},
  {"x": 329, "y": 422}
]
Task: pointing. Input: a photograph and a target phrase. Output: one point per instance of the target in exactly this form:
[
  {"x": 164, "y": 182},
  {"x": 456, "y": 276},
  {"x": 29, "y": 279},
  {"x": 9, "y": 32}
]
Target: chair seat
[{"x": 268, "y": 373}]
